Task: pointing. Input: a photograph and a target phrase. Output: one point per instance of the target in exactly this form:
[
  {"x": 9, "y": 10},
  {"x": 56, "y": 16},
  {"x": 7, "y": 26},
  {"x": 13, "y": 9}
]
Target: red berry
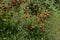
[
  {"x": 48, "y": 14},
  {"x": 10, "y": 6},
  {"x": 13, "y": 1},
  {"x": 0, "y": 7},
  {"x": 45, "y": 16},
  {"x": 31, "y": 28},
  {"x": 42, "y": 30},
  {"x": 19, "y": 2},
  {"x": 40, "y": 16},
  {"x": 39, "y": 21},
  {"x": 25, "y": 9},
  {"x": 21, "y": 17},
  {"x": 4, "y": 7},
  {"x": 41, "y": 27}
]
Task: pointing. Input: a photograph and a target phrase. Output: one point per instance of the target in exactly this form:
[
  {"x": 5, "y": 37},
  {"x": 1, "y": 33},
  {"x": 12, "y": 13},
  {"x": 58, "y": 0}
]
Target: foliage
[{"x": 26, "y": 19}]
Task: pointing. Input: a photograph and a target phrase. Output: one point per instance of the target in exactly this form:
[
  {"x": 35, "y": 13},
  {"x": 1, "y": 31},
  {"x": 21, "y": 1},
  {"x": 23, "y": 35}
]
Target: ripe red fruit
[
  {"x": 45, "y": 13},
  {"x": 42, "y": 30},
  {"x": 4, "y": 7},
  {"x": 19, "y": 2},
  {"x": 45, "y": 16},
  {"x": 13, "y": 1},
  {"x": 21, "y": 17},
  {"x": 48, "y": 14},
  {"x": 0, "y": 7},
  {"x": 10, "y": 6},
  {"x": 39, "y": 21},
  {"x": 25, "y": 9},
  {"x": 41, "y": 27},
  {"x": 31, "y": 28},
  {"x": 40, "y": 16}
]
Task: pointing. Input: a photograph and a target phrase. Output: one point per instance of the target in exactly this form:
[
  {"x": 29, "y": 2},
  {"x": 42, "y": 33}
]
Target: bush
[{"x": 26, "y": 20}]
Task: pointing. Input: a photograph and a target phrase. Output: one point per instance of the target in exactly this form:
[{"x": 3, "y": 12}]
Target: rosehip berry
[
  {"x": 10, "y": 6},
  {"x": 25, "y": 9},
  {"x": 42, "y": 30},
  {"x": 48, "y": 14},
  {"x": 4, "y": 7},
  {"x": 39, "y": 21},
  {"x": 31, "y": 28},
  {"x": 45, "y": 16},
  {"x": 21, "y": 17},
  {"x": 40, "y": 16},
  {"x": 13, "y": 1},
  {"x": 41, "y": 27},
  {"x": 19, "y": 2}
]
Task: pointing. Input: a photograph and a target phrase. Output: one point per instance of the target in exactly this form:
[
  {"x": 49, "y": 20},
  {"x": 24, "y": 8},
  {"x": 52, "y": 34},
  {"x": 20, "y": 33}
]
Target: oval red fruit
[
  {"x": 19, "y": 2},
  {"x": 41, "y": 27},
  {"x": 31, "y": 28},
  {"x": 42, "y": 30},
  {"x": 13, "y": 1},
  {"x": 39, "y": 21},
  {"x": 0, "y": 7},
  {"x": 40, "y": 16}
]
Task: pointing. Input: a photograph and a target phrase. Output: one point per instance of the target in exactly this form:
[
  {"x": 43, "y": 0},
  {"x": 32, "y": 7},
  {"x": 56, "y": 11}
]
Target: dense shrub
[{"x": 26, "y": 19}]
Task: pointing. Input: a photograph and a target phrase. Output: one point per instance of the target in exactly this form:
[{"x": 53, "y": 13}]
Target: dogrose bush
[{"x": 25, "y": 20}]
